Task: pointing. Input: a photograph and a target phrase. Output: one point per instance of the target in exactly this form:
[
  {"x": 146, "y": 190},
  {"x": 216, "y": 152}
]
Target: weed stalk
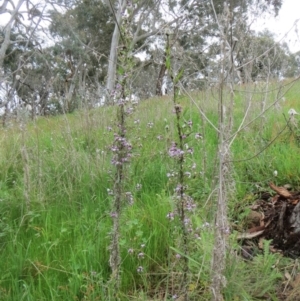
[
  {"x": 178, "y": 152},
  {"x": 121, "y": 153}
]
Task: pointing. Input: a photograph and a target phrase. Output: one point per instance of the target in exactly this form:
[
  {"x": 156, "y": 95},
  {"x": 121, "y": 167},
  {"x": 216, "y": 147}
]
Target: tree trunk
[
  {"x": 113, "y": 55},
  {"x": 7, "y": 31},
  {"x": 159, "y": 82}
]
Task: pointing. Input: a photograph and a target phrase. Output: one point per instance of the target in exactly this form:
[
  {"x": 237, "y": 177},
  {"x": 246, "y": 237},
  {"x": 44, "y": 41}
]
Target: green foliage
[{"x": 57, "y": 249}]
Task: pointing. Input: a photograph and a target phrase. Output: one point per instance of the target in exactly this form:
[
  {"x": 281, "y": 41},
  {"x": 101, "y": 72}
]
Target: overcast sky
[{"x": 285, "y": 25}]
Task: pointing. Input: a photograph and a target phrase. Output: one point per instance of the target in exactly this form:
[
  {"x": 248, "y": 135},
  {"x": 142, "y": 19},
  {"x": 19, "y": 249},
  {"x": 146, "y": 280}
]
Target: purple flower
[
  {"x": 190, "y": 123},
  {"x": 113, "y": 214},
  {"x": 226, "y": 230},
  {"x": 178, "y": 256},
  {"x": 198, "y": 136},
  {"x": 170, "y": 216},
  {"x": 190, "y": 205},
  {"x": 179, "y": 188},
  {"x": 130, "y": 251},
  {"x": 186, "y": 221},
  {"x": 174, "y": 151},
  {"x": 129, "y": 111},
  {"x": 140, "y": 269},
  {"x": 190, "y": 150}
]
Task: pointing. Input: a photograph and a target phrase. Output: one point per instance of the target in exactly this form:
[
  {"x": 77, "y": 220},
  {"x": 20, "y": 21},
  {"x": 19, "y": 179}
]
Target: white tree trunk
[
  {"x": 7, "y": 31},
  {"x": 112, "y": 63},
  {"x": 113, "y": 55}
]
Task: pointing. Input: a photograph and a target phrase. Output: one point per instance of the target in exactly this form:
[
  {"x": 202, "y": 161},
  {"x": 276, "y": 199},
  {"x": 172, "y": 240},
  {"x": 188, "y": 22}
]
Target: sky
[{"x": 285, "y": 25}]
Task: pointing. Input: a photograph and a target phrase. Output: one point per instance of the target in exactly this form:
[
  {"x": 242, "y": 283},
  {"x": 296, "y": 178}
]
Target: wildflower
[
  {"x": 113, "y": 214},
  {"x": 190, "y": 123},
  {"x": 129, "y": 111},
  {"x": 130, "y": 251},
  {"x": 178, "y": 256},
  {"x": 275, "y": 173},
  {"x": 188, "y": 174},
  {"x": 190, "y": 151},
  {"x": 226, "y": 230},
  {"x": 150, "y": 125},
  {"x": 174, "y": 151},
  {"x": 140, "y": 269},
  {"x": 179, "y": 188},
  {"x": 174, "y": 297},
  {"x": 18, "y": 77},
  {"x": 170, "y": 216},
  {"x": 190, "y": 205},
  {"x": 129, "y": 197},
  {"x": 159, "y": 137},
  {"x": 198, "y": 136},
  {"x": 110, "y": 192},
  {"x": 141, "y": 255},
  {"x": 206, "y": 225},
  {"x": 143, "y": 245},
  {"x": 291, "y": 112},
  {"x": 137, "y": 121},
  {"x": 138, "y": 186},
  {"x": 186, "y": 221}
]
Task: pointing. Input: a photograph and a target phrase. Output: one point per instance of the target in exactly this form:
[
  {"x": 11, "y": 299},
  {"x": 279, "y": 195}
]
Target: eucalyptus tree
[
  {"x": 82, "y": 34},
  {"x": 200, "y": 39},
  {"x": 18, "y": 35},
  {"x": 145, "y": 18}
]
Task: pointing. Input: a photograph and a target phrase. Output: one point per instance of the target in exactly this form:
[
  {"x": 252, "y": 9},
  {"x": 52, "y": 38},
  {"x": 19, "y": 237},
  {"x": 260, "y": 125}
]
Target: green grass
[{"x": 58, "y": 248}]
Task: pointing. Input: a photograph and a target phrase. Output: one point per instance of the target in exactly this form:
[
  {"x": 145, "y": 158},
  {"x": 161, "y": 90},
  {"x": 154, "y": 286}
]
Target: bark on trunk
[
  {"x": 113, "y": 55},
  {"x": 8, "y": 28},
  {"x": 159, "y": 82}
]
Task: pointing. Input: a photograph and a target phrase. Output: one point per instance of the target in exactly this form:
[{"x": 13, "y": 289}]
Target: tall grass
[{"x": 57, "y": 249}]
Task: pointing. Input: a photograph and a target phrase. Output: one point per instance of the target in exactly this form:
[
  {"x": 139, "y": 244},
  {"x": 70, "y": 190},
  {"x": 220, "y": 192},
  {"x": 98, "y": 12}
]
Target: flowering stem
[
  {"x": 178, "y": 151},
  {"x": 115, "y": 258},
  {"x": 121, "y": 150}
]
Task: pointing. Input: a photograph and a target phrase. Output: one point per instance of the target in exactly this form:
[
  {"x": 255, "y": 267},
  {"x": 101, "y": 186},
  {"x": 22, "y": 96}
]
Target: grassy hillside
[{"x": 55, "y": 183}]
